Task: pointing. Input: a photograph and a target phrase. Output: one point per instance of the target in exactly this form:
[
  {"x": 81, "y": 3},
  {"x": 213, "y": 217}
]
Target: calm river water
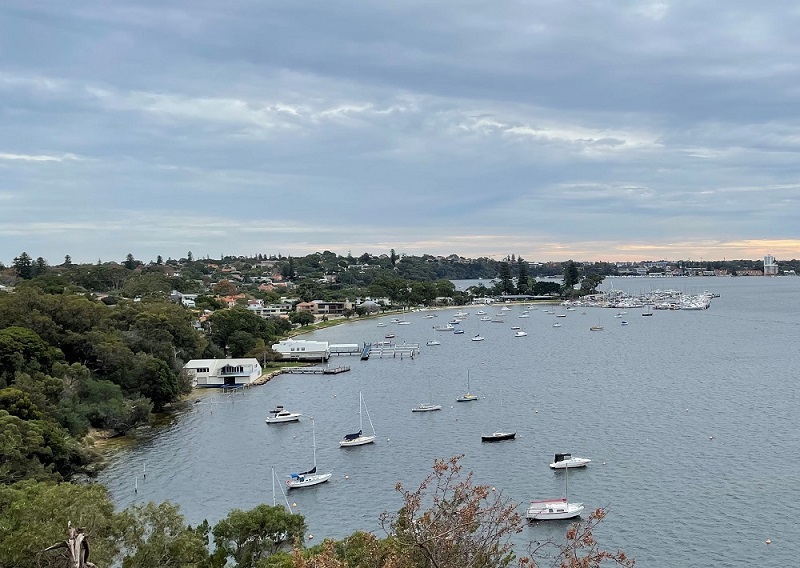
[{"x": 690, "y": 418}]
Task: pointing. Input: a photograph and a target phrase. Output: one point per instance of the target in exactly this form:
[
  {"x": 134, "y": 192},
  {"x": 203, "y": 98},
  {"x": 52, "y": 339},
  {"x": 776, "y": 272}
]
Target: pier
[
  {"x": 388, "y": 349},
  {"x": 316, "y": 370}
]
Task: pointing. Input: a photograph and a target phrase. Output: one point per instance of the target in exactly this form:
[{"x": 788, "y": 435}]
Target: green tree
[
  {"x": 571, "y": 276},
  {"x": 523, "y": 286},
  {"x": 23, "y": 266},
  {"x": 157, "y": 536},
  {"x": 303, "y": 318},
  {"x": 506, "y": 284},
  {"x": 250, "y": 536},
  {"x": 393, "y": 257},
  {"x": 35, "y": 515},
  {"x": 130, "y": 262},
  {"x": 21, "y": 349},
  {"x": 590, "y": 283}
]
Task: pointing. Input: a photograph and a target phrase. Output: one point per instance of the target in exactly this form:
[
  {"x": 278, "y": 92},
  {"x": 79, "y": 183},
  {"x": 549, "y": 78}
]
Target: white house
[
  {"x": 222, "y": 372},
  {"x": 302, "y": 350}
]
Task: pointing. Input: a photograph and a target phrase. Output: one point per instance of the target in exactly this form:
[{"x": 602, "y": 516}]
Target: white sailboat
[
  {"x": 359, "y": 439},
  {"x": 427, "y": 406},
  {"x": 555, "y": 509},
  {"x": 433, "y": 341},
  {"x": 467, "y": 396},
  {"x": 310, "y": 477}
]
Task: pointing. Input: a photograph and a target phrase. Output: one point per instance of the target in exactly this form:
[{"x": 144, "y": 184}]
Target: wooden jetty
[{"x": 316, "y": 370}]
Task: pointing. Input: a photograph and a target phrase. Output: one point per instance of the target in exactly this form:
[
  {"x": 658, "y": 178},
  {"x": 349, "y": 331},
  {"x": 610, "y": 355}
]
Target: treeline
[
  {"x": 448, "y": 522},
  {"x": 69, "y": 363}
]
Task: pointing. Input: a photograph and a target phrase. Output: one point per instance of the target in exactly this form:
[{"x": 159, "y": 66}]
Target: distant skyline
[{"x": 616, "y": 130}]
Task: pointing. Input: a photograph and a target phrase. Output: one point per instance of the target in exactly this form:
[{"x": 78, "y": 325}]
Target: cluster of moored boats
[
  {"x": 312, "y": 477},
  {"x": 539, "y": 510}
]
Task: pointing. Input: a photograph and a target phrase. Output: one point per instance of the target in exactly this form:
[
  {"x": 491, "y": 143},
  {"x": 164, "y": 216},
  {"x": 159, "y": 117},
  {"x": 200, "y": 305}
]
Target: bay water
[{"x": 690, "y": 418}]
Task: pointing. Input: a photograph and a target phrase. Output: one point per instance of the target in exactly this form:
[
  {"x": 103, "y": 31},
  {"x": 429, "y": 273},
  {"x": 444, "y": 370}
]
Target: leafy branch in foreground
[{"x": 466, "y": 526}]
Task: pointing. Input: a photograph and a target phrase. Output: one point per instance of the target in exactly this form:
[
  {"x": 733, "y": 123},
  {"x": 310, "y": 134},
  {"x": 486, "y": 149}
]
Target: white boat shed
[{"x": 222, "y": 372}]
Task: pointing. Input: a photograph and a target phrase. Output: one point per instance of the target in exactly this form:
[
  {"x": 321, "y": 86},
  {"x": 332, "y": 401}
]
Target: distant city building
[{"x": 770, "y": 266}]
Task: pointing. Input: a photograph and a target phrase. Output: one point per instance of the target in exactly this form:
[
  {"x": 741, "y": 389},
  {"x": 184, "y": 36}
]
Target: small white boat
[
  {"x": 426, "y": 407},
  {"x": 446, "y": 327},
  {"x": 556, "y": 324},
  {"x": 359, "y": 439},
  {"x": 429, "y": 316},
  {"x": 486, "y": 318},
  {"x": 433, "y": 342},
  {"x": 381, "y": 324},
  {"x": 561, "y": 315},
  {"x": 521, "y": 333},
  {"x": 404, "y": 322},
  {"x": 478, "y": 337},
  {"x": 515, "y": 327},
  {"x": 523, "y": 316},
  {"x": 310, "y": 477},
  {"x": 596, "y": 328},
  {"x": 623, "y": 322},
  {"x": 563, "y": 461},
  {"x": 280, "y": 414},
  {"x": 505, "y": 309},
  {"x": 480, "y": 312},
  {"x": 554, "y": 509}
]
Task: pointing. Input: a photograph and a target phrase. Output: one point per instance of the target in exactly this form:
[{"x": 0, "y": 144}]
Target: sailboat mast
[
  {"x": 314, "y": 442},
  {"x": 273, "y": 486},
  {"x": 360, "y": 418}
]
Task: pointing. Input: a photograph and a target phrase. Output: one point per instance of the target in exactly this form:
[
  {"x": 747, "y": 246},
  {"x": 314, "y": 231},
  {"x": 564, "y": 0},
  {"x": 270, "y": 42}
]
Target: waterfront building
[{"x": 206, "y": 373}]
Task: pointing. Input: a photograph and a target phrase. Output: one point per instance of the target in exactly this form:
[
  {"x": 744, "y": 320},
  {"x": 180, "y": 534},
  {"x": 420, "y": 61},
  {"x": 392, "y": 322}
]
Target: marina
[{"x": 643, "y": 401}]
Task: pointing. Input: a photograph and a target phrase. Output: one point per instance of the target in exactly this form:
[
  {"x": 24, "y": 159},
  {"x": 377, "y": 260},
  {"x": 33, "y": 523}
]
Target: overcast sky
[{"x": 551, "y": 129}]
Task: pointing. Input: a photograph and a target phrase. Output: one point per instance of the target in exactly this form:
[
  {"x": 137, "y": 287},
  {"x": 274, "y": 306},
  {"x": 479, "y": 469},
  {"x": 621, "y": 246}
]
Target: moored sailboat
[
  {"x": 358, "y": 438},
  {"x": 310, "y": 477}
]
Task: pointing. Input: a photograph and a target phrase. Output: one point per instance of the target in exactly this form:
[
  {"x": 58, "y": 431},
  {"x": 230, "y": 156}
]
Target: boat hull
[
  {"x": 553, "y": 510},
  {"x": 280, "y": 419},
  {"x": 498, "y": 436},
  {"x": 426, "y": 408},
  {"x": 360, "y": 441},
  {"x": 570, "y": 463}
]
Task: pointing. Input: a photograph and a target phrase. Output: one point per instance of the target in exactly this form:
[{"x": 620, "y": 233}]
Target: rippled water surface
[{"x": 690, "y": 419}]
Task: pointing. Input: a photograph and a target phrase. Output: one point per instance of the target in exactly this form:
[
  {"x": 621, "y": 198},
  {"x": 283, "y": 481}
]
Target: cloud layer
[{"x": 611, "y": 130}]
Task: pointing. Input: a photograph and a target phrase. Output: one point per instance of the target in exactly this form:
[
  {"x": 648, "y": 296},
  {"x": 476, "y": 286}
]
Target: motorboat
[
  {"x": 426, "y": 407},
  {"x": 478, "y": 337},
  {"x": 498, "y": 436},
  {"x": 596, "y": 328},
  {"x": 389, "y": 335},
  {"x": 280, "y": 414},
  {"x": 563, "y": 461},
  {"x": 556, "y": 324},
  {"x": 521, "y": 333},
  {"x": 623, "y": 322},
  {"x": 433, "y": 342},
  {"x": 381, "y": 325},
  {"x": 446, "y": 327},
  {"x": 486, "y": 318},
  {"x": 458, "y": 331}
]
